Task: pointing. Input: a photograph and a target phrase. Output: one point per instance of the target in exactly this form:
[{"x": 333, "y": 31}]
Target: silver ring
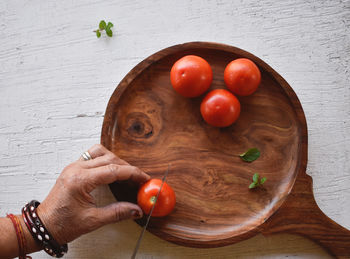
[{"x": 86, "y": 156}]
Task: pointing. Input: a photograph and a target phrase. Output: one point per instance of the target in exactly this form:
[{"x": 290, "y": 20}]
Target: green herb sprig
[
  {"x": 104, "y": 27},
  {"x": 250, "y": 155},
  {"x": 257, "y": 181}
]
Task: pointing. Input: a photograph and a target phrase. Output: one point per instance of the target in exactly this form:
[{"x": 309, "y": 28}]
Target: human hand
[{"x": 70, "y": 211}]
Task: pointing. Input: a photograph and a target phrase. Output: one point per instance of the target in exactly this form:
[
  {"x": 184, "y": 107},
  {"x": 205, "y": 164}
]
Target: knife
[{"x": 149, "y": 216}]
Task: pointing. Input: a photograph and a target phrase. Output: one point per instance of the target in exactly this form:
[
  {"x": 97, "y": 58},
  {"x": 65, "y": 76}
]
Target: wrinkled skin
[{"x": 70, "y": 211}]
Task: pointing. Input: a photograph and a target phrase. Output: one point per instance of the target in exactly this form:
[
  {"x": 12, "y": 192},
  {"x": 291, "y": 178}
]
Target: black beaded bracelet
[{"x": 40, "y": 234}]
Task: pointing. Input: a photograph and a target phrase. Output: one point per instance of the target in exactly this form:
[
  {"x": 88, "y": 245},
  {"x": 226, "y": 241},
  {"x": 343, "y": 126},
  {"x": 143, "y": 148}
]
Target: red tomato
[
  {"x": 147, "y": 194},
  {"x": 242, "y": 76},
  {"x": 220, "y": 108},
  {"x": 191, "y": 76}
]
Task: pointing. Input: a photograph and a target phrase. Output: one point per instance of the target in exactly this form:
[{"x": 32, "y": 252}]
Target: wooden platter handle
[{"x": 301, "y": 215}]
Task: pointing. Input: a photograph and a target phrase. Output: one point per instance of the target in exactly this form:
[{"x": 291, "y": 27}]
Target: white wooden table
[{"x": 56, "y": 78}]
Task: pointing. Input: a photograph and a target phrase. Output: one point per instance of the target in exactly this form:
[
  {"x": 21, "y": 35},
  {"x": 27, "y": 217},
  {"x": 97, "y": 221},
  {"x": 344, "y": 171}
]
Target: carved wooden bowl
[{"x": 150, "y": 126}]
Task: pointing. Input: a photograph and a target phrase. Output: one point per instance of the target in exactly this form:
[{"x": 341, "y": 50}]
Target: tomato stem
[{"x": 153, "y": 199}]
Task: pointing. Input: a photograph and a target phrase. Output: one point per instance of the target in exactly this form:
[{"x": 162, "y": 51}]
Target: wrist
[
  {"x": 49, "y": 220},
  {"x": 39, "y": 231},
  {"x": 32, "y": 245}
]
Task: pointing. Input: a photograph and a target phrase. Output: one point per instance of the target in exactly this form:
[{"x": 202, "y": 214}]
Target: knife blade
[{"x": 149, "y": 216}]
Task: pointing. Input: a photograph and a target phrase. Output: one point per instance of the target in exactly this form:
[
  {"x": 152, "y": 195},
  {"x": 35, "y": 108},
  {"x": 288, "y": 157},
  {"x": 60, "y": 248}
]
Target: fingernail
[{"x": 136, "y": 214}]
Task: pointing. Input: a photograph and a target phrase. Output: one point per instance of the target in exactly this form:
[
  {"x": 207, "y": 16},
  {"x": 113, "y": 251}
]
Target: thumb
[{"x": 118, "y": 211}]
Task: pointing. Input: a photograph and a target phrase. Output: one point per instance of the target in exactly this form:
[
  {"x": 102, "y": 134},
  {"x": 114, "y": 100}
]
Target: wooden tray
[{"x": 149, "y": 125}]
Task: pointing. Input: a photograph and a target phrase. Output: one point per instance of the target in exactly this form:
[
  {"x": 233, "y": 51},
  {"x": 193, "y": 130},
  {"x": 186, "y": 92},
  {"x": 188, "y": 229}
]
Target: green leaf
[
  {"x": 262, "y": 180},
  {"x": 250, "y": 155},
  {"x": 252, "y": 185},
  {"x": 102, "y": 25},
  {"x": 109, "y": 25},
  {"x": 109, "y": 32},
  {"x": 98, "y": 34},
  {"x": 256, "y": 178}
]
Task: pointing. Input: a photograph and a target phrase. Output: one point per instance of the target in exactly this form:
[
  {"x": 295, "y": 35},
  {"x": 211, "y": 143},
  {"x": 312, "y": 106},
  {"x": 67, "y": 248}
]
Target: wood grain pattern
[
  {"x": 56, "y": 78},
  {"x": 300, "y": 215},
  {"x": 150, "y": 125}
]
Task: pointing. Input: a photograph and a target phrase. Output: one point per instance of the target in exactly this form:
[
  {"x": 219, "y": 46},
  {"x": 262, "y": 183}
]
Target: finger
[
  {"x": 110, "y": 173},
  {"x": 106, "y": 159},
  {"x": 118, "y": 211},
  {"x": 96, "y": 150}
]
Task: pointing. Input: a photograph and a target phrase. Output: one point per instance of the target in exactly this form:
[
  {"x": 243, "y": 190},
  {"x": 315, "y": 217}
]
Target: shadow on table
[{"x": 118, "y": 241}]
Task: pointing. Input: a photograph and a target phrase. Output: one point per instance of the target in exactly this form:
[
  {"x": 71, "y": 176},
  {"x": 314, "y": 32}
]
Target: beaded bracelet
[{"x": 39, "y": 232}]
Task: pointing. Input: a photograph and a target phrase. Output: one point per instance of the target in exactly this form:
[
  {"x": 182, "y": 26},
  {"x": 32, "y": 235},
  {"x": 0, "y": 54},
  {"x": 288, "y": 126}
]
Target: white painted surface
[{"x": 56, "y": 78}]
